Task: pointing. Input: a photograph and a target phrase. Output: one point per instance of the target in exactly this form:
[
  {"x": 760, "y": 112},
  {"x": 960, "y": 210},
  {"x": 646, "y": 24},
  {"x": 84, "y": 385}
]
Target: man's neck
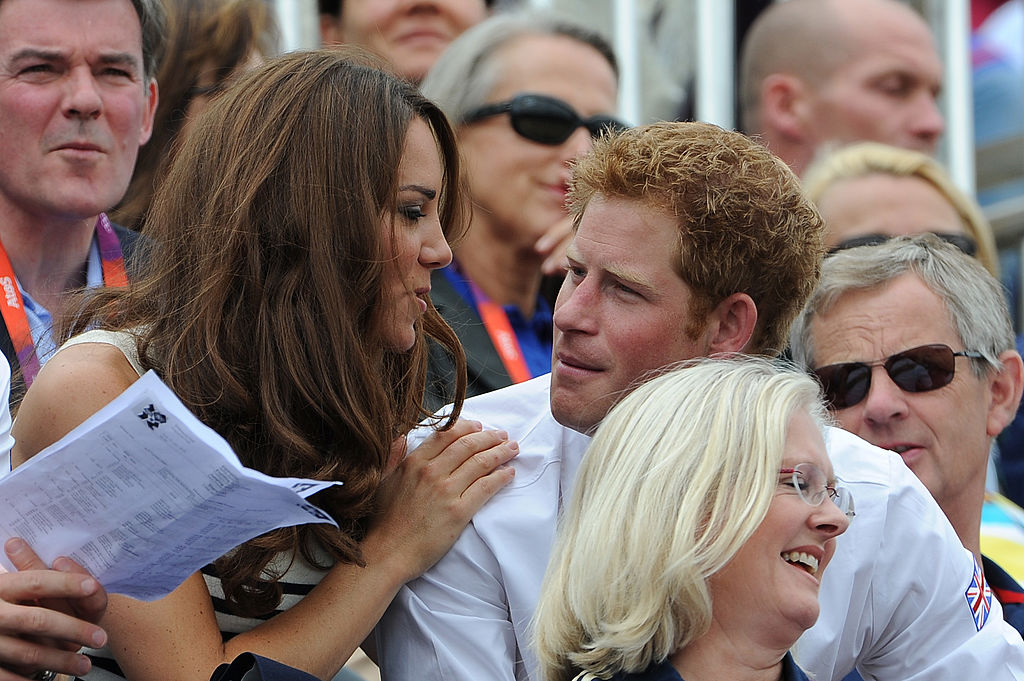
[
  {"x": 506, "y": 274},
  {"x": 964, "y": 514},
  {"x": 49, "y": 258}
]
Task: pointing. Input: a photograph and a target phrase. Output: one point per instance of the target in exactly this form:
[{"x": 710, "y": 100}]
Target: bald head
[{"x": 817, "y": 71}]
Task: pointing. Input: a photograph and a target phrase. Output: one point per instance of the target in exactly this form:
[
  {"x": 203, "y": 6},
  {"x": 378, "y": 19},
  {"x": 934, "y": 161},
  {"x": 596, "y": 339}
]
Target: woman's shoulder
[{"x": 76, "y": 383}]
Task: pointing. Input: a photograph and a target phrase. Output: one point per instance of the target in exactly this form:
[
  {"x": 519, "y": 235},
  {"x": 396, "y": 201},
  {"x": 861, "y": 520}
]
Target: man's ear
[
  {"x": 1005, "y": 388},
  {"x": 149, "y": 115},
  {"x": 783, "y": 106},
  {"x": 731, "y": 324}
]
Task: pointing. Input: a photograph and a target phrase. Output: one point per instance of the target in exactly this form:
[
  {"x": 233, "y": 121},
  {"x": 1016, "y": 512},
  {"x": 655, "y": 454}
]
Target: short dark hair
[{"x": 153, "y": 20}]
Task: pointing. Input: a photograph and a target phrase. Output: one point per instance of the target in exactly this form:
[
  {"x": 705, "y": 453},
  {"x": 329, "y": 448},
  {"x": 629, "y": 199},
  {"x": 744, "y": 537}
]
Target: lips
[
  {"x": 571, "y": 361},
  {"x": 909, "y": 452},
  {"x": 806, "y": 558}
]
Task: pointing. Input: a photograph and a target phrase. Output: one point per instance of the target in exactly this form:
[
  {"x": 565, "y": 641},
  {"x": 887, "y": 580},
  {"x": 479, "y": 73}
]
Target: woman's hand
[
  {"x": 434, "y": 492},
  {"x": 552, "y": 247},
  {"x": 47, "y": 614}
]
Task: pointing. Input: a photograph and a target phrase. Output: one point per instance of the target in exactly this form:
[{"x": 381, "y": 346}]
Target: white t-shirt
[{"x": 894, "y": 601}]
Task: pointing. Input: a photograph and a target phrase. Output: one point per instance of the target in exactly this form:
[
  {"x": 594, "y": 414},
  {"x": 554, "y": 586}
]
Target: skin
[
  {"x": 752, "y": 627},
  {"x": 409, "y": 34},
  {"x": 622, "y": 308},
  {"x": 417, "y": 241},
  {"x": 519, "y": 186},
  {"x": 47, "y": 614},
  {"x": 942, "y": 435},
  {"x": 886, "y": 204},
  {"x": 75, "y": 106},
  {"x": 885, "y": 89}
]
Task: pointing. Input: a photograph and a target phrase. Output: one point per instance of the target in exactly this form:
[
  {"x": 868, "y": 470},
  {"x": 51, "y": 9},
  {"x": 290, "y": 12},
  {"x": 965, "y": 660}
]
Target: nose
[
  {"x": 435, "y": 251},
  {"x": 928, "y": 123},
  {"x": 828, "y": 520},
  {"x": 82, "y": 99},
  {"x": 885, "y": 402},
  {"x": 575, "y": 306},
  {"x": 579, "y": 143}
]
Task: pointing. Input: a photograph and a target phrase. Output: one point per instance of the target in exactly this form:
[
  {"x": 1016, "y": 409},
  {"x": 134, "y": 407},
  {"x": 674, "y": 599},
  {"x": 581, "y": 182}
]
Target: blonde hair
[
  {"x": 872, "y": 158},
  {"x": 679, "y": 475}
]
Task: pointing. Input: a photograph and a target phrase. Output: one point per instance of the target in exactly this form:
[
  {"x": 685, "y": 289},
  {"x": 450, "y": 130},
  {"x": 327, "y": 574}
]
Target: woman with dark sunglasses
[{"x": 527, "y": 94}]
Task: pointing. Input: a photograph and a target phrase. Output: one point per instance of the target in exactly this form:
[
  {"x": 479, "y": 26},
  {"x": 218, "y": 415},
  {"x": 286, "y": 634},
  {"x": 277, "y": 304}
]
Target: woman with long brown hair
[{"x": 287, "y": 305}]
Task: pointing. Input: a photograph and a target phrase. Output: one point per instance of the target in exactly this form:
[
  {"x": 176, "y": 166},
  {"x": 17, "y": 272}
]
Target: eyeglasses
[
  {"x": 544, "y": 119},
  {"x": 810, "y": 484},
  {"x": 961, "y": 241},
  {"x": 917, "y": 370}
]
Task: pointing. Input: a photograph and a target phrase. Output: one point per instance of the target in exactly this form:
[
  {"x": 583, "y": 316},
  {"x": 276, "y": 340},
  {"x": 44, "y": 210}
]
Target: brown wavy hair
[{"x": 259, "y": 307}]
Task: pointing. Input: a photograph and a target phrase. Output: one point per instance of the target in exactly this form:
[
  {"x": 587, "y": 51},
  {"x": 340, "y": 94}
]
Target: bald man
[{"x": 817, "y": 72}]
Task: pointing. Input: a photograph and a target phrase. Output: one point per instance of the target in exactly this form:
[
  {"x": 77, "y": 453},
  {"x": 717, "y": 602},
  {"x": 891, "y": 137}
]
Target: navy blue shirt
[
  {"x": 664, "y": 671},
  {"x": 534, "y": 334}
]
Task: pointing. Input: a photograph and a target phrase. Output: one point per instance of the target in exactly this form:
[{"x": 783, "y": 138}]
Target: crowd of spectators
[{"x": 540, "y": 348}]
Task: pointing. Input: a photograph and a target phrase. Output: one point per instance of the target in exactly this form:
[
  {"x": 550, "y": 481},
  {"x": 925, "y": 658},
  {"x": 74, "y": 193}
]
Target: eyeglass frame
[
  {"x": 885, "y": 363},
  {"x": 963, "y": 242},
  {"x": 595, "y": 125},
  {"x": 839, "y": 495}
]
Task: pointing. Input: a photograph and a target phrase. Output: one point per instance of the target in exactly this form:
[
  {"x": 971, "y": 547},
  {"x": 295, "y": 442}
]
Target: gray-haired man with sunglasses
[{"x": 912, "y": 343}]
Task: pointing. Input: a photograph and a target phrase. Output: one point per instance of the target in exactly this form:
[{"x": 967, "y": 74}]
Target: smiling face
[
  {"x": 74, "y": 103},
  {"x": 774, "y": 578},
  {"x": 409, "y": 35},
  {"x": 622, "y": 310},
  {"x": 414, "y": 238},
  {"x": 943, "y": 435},
  {"x": 519, "y": 186},
  {"x": 886, "y": 204},
  {"x": 886, "y": 90}
]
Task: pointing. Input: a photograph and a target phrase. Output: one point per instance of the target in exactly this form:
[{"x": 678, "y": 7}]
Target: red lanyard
[
  {"x": 13, "y": 306},
  {"x": 499, "y": 328}
]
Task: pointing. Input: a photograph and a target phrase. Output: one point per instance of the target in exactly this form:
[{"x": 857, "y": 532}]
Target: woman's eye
[{"x": 412, "y": 212}]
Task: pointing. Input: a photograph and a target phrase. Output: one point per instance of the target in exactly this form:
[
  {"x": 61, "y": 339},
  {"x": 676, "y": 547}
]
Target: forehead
[
  {"x": 888, "y": 39},
  {"x": 88, "y": 26},
  {"x": 628, "y": 233},
  {"x": 421, "y": 155},
  {"x": 880, "y": 203},
  {"x": 869, "y": 324},
  {"x": 805, "y": 443}
]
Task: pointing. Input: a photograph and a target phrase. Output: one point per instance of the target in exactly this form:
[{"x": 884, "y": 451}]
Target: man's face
[
  {"x": 74, "y": 105},
  {"x": 943, "y": 435},
  {"x": 622, "y": 310},
  {"x": 886, "y": 90}
]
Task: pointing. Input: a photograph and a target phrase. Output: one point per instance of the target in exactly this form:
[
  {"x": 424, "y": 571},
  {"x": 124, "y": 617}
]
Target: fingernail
[
  {"x": 99, "y": 639},
  {"x": 514, "y": 446},
  {"x": 502, "y": 434},
  {"x": 15, "y": 545},
  {"x": 62, "y": 563},
  {"x": 89, "y": 586},
  {"x": 83, "y": 665}
]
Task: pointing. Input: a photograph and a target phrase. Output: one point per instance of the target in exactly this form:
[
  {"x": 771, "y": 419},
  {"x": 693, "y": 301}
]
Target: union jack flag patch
[{"x": 979, "y": 597}]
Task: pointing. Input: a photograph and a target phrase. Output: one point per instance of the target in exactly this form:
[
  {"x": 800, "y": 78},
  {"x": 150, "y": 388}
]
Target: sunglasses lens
[
  {"x": 542, "y": 119},
  {"x": 918, "y": 370},
  {"x": 844, "y": 385}
]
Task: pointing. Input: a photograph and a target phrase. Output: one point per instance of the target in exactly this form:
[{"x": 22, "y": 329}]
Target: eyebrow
[
  {"x": 118, "y": 58},
  {"x": 626, "y": 275},
  {"x": 426, "y": 191}
]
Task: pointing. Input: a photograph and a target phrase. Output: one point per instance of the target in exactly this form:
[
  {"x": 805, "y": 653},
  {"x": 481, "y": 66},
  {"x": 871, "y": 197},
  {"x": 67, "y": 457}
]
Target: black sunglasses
[
  {"x": 544, "y": 119},
  {"x": 961, "y": 241},
  {"x": 917, "y": 370}
]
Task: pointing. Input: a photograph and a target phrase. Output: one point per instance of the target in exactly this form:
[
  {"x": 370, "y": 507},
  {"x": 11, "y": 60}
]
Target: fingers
[
  {"x": 476, "y": 445},
  {"x": 22, "y": 556},
  {"x": 20, "y": 614},
  {"x": 91, "y": 606},
  {"x": 552, "y": 247},
  {"x": 20, "y": 658}
]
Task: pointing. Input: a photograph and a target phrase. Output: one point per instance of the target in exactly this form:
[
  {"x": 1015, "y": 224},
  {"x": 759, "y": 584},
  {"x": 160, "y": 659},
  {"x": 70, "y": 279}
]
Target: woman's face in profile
[
  {"x": 412, "y": 233},
  {"x": 773, "y": 580},
  {"x": 520, "y": 185}
]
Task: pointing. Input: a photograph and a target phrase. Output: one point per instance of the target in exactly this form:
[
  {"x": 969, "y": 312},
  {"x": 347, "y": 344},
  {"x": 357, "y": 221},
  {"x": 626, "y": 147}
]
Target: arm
[
  {"x": 436, "y": 489},
  {"x": 46, "y": 615}
]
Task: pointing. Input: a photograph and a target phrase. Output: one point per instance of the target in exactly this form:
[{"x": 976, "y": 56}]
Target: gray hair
[
  {"x": 973, "y": 298},
  {"x": 467, "y": 71}
]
